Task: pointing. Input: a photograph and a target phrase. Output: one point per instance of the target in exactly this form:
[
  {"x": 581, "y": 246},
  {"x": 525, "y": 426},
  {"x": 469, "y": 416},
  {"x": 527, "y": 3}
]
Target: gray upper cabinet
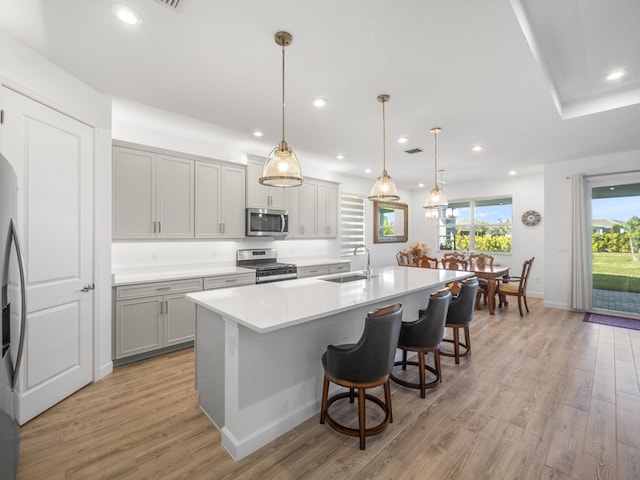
[
  {"x": 152, "y": 195},
  {"x": 260, "y": 196},
  {"x": 220, "y": 200},
  {"x": 327, "y": 209},
  {"x": 302, "y": 207}
]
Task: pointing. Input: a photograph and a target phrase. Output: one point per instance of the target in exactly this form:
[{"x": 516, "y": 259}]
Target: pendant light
[
  {"x": 437, "y": 199},
  {"x": 282, "y": 168},
  {"x": 385, "y": 188}
]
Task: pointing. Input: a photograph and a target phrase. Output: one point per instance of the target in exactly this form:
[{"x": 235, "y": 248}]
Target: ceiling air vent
[
  {"x": 413, "y": 150},
  {"x": 169, "y": 3}
]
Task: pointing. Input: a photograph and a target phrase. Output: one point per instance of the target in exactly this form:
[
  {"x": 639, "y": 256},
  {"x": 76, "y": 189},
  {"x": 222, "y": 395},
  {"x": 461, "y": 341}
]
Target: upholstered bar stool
[
  {"x": 459, "y": 316},
  {"x": 365, "y": 364},
  {"x": 422, "y": 336}
]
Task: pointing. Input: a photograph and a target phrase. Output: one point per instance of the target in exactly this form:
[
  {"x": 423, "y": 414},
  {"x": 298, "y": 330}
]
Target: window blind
[{"x": 351, "y": 222}]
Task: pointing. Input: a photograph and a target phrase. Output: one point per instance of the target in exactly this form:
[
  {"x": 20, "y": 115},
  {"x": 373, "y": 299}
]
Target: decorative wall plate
[{"x": 531, "y": 218}]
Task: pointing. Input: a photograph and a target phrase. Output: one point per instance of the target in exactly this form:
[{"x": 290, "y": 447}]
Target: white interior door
[{"x": 53, "y": 156}]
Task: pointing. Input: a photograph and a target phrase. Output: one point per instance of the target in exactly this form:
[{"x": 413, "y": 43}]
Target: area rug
[{"x": 612, "y": 321}]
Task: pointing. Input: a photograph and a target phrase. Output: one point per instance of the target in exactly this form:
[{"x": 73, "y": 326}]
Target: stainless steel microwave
[{"x": 266, "y": 222}]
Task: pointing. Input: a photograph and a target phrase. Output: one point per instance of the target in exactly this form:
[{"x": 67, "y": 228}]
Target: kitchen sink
[{"x": 346, "y": 278}]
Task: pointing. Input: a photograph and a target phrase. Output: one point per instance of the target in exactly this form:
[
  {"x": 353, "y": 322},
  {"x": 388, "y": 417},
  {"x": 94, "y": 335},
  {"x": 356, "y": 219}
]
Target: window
[
  {"x": 477, "y": 226},
  {"x": 351, "y": 222}
]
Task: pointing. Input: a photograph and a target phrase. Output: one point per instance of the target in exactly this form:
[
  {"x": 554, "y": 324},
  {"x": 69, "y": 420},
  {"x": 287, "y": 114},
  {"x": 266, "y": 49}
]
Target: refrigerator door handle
[{"x": 23, "y": 302}]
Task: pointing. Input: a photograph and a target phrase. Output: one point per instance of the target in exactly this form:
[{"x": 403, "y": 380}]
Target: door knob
[{"x": 88, "y": 287}]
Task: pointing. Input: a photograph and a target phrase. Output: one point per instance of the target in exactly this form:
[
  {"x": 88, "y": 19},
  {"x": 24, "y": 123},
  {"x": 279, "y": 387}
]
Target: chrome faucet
[{"x": 368, "y": 269}]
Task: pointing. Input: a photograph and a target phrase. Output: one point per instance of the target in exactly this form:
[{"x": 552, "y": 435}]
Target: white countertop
[
  {"x": 277, "y": 305},
  {"x": 156, "y": 273}
]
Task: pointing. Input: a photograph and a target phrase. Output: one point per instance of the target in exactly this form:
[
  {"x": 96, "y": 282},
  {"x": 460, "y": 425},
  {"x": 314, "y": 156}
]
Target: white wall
[
  {"x": 526, "y": 192},
  {"x": 557, "y": 238},
  {"x": 28, "y": 73}
]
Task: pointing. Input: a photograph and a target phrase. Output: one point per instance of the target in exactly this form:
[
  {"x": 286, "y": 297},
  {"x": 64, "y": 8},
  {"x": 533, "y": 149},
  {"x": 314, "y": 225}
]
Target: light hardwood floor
[{"x": 545, "y": 396}]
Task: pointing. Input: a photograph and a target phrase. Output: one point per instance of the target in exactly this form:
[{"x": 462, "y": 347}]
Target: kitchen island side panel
[
  {"x": 210, "y": 364},
  {"x": 273, "y": 380}
]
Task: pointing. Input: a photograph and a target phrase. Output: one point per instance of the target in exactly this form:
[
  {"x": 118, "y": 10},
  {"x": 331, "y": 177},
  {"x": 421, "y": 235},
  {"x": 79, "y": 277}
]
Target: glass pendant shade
[
  {"x": 282, "y": 168},
  {"x": 431, "y": 213},
  {"x": 385, "y": 188},
  {"x": 437, "y": 199}
]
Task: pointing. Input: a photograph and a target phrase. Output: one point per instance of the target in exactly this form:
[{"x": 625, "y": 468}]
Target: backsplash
[{"x": 137, "y": 254}]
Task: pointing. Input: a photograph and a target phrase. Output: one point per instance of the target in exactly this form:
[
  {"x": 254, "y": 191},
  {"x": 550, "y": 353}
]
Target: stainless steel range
[{"x": 264, "y": 262}]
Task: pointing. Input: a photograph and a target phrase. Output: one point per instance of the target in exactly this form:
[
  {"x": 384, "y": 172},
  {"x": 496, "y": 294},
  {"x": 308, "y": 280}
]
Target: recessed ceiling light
[
  {"x": 477, "y": 148},
  {"x": 368, "y": 170},
  {"x": 319, "y": 102},
  {"x": 258, "y": 133},
  {"x": 403, "y": 140},
  {"x": 421, "y": 185},
  {"x": 340, "y": 157},
  {"x": 512, "y": 172},
  {"x": 616, "y": 74},
  {"x": 126, "y": 14}
]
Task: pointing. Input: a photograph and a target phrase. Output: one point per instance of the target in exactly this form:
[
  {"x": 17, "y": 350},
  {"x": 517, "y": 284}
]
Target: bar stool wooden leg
[
  {"x": 361, "y": 417},
  {"x": 456, "y": 344},
  {"x": 387, "y": 396},
  {"x": 325, "y": 395}
]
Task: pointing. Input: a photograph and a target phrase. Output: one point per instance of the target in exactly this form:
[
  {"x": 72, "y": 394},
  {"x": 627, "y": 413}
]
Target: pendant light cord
[
  {"x": 283, "y": 92},
  {"x": 384, "y": 140},
  {"x": 435, "y": 158}
]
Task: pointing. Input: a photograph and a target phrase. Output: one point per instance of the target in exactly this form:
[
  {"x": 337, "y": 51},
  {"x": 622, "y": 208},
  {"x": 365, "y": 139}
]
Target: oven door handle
[{"x": 283, "y": 223}]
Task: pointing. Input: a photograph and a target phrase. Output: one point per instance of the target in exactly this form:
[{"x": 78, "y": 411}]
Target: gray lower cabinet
[
  {"x": 157, "y": 316},
  {"x": 151, "y": 316},
  {"x": 317, "y": 270}
]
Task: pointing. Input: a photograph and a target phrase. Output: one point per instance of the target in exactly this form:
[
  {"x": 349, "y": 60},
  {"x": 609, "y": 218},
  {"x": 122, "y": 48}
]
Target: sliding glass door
[{"x": 615, "y": 244}]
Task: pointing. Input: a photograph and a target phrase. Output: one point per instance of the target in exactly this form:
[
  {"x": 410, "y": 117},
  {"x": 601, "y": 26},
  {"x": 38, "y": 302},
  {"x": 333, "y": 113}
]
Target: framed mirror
[{"x": 390, "y": 222}]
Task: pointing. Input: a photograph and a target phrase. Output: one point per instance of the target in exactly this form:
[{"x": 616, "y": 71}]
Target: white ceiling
[{"x": 530, "y": 95}]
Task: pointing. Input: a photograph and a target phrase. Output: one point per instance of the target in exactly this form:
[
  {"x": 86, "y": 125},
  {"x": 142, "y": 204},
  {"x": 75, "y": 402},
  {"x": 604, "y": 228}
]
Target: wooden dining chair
[
  {"x": 456, "y": 255},
  {"x": 426, "y": 262},
  {"x": 517, "y": 289},
  {"x": 481, "y": 261},
  {"x": 452, "y": 263},
  {"x": 402, "y": 258}
]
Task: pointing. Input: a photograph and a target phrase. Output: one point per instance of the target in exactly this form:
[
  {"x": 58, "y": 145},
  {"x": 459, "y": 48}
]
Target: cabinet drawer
[
  {"x": 313, "y": 271},
  {"x": 340, "y": 267},
  {"x": 223, "y": 281},
  {"x": 158, "y": 288}
]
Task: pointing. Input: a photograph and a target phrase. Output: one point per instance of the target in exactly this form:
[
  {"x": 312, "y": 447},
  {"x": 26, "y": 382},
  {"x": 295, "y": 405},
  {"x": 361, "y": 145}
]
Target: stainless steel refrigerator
[{"x": 13, "y": 321}]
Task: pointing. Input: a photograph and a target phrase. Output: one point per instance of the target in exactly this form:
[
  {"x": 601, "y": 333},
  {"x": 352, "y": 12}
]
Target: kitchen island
[{"x": 258, "y": 347}]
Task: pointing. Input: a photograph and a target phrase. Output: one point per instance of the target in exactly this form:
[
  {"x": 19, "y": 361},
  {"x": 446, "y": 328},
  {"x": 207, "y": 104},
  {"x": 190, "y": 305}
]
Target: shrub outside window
[{"x": 477, "y": 226}]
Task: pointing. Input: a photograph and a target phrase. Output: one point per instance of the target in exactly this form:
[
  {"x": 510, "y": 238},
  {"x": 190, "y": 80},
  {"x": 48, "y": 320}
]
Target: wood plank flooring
[{"x": 544, "y": 396}]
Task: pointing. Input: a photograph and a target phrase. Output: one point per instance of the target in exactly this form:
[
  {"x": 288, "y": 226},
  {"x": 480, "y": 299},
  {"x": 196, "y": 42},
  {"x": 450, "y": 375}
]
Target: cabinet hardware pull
[
  {"x": 88, "y": 287},
  {"x": 161, "y": 308},
  {"x": 159, "y": 289},
  {"x": 159, "y": 227},
  {"x": 231, "y": 280},
  {"x": 166, "y": 307}
]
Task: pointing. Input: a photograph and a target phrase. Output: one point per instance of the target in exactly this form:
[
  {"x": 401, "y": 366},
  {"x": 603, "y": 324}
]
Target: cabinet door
[
  {"x": 139, "y": 326},
  {"x": 175, "y": 197},
  {"x": 293, "y": 208},
  {"x": 134, "y": 193},
  {"x": 309, "y": 209},
  {"x": 207, "y": 205},
  {"x": 180, "y": 319},
  {"x": 259, "y": 195},
  {"x": 232, "y": 202},
  {"x": 327, "y": 210}
]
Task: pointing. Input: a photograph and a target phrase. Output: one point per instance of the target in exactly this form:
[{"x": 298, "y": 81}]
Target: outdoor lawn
[{"x": 616, "y": 272}]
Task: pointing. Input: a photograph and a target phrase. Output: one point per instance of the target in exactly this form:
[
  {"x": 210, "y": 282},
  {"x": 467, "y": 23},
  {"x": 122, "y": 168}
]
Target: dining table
[{"x": 491, "y": 274}]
